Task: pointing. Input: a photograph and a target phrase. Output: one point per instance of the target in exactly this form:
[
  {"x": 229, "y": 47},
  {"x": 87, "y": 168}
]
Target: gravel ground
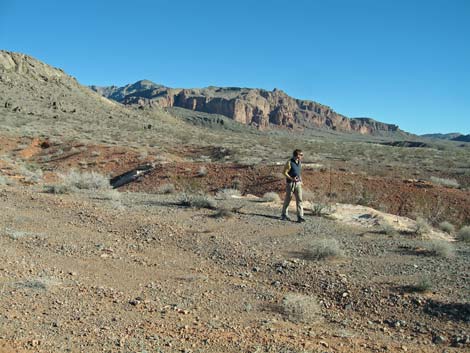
[{"x": 141, "y": 274}]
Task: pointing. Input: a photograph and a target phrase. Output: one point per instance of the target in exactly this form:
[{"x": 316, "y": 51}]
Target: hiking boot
[
  {"x": 285, "y": 218},
  {"x": 300, "y": 220}
]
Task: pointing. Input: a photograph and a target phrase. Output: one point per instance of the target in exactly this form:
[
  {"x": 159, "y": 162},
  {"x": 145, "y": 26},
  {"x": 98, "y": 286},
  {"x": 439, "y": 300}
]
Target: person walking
[{"x": 292, "y": 172}]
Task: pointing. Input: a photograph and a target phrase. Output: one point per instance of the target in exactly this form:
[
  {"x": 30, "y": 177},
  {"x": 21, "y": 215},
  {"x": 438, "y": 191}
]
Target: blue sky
[{"x": 401, "y": 62}]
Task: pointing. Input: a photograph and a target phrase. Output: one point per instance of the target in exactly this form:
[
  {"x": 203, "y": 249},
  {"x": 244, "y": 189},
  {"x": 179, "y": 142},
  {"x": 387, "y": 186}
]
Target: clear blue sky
[{"x": 405, "y": 62}]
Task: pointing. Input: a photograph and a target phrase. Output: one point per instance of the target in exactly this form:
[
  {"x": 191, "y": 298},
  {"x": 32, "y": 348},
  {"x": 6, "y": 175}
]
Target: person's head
[{"x": 298, "y": 154}]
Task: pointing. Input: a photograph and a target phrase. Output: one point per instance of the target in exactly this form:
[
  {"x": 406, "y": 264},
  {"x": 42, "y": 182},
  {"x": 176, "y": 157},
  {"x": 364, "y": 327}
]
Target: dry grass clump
[
  {"x": 271, "y": 197},
  {"x": 439, "y": 248},
  {"x": 424, "y": 284},
  {"x": 5, "y": 181},
  {"x": 464, "y": 234},
  {"x": 225, "y": 194},
  {"x": 450, "y": 183},
  {"x": 326, "y": 248},
  {"x": 321, "y": 209},
  {"x": 422, "y": 226},
  {"x": 388, "y": 229},
  {"x": 198, "y": 201},
  {"x": 223, "y": 213},
  {"x": 166, "y": 189},
  {"x": 202, "y": 172},
  {"x": 301, "y": 308},
  {"x": 76, "y": 181},
  {"x": 447, "y": 227}
]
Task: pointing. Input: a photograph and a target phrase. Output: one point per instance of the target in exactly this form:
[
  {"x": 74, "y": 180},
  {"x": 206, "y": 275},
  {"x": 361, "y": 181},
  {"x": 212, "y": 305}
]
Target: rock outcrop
[{"x": 256, "y": 107}]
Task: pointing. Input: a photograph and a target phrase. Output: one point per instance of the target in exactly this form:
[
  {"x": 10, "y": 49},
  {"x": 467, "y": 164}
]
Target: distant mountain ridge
[
  {"x": 454, "y": 136},
  {"x": 249, "y": 106}
]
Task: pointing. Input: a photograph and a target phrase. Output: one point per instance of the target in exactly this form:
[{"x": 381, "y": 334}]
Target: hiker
[{"x": 292, "y": 171}]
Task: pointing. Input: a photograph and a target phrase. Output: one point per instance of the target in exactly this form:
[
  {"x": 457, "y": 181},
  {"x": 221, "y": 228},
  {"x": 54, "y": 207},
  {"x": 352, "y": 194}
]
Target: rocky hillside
[
  {"x": 256, "y": 107},
  {"x": 33, "y": 90}
]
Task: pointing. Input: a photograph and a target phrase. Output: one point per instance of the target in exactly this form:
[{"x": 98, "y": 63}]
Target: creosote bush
[
  {"x": 464, "y": 234},
  {"x": 198, "y": 201},
  {"x": 301, "y": 308},
  {"x": 166, "y": 189},
  {"x": 223, "y": 213},
  {"x": 202, "y": 171},
  {"x": 439, "y": 248},
  {"x": 271, "y": 197},
  {"x": 76, "y": 181},
  {"x": 5, "y": 181},
  {"x": 450, "y": 183},
  {"x": 424, "y": 284},
  {"x": 447, "y": 227},
  {"x": 422, "y": 226},
  {"x": 225, "y": 194},
  {"x": 326, "y": 248},
  {"x": 321, "y": 209}
]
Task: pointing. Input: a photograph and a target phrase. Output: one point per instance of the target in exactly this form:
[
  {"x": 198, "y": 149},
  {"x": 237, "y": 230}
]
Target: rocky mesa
[{"x": 258, "y": 107}]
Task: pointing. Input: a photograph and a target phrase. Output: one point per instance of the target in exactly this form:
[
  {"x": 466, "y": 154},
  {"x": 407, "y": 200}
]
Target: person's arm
[{"x": 286, "y": 171}]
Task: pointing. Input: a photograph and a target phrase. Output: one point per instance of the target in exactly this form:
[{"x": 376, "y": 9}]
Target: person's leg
[
  {"x": 299, "y": 201},
  {"x": 285, "y": 206}
]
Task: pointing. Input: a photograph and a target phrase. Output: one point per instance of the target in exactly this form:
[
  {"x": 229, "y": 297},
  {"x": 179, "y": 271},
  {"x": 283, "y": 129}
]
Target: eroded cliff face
[{"x": 256, "y": 107}]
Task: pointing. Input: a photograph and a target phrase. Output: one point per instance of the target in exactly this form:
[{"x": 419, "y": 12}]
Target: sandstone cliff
[{"x": 257, "y": 107}]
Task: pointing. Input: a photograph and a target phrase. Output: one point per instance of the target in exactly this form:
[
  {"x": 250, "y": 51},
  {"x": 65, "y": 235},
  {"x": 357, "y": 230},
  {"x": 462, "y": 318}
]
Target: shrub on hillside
[
  {"x": 447, "y": 227},
  {"x": 464, "y": 234},
  {"x": 424, "y": 284},
  {"x": 225, "y": 194},
  {"x": 422, "y": 226},
  {"x": 166, "y": 189},
  {"x": 301, "y": 308},
  {"x": 271, "y": 197},
  {"x": 450, "y": 183},
  {"x": 223, "y": 213},
  {"x": 321, "y": 209},
  {"x": 198, "y": 201},
  {"x": 439, "y": 248},
  {"x": 202, "y": 171},
  {"x": 76, "y": 181},
  {"x": 321, "y": 249}
]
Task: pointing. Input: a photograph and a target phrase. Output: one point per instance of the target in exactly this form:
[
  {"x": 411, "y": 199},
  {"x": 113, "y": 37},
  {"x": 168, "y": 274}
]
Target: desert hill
[{"x": 256, "y": 107}]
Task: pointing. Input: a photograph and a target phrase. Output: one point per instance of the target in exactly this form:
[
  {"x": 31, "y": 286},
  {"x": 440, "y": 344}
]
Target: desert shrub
[
  {"x": 236, "y": 184},
  {"x": 271, "y": 197},
  {"x": 424, "y": 284},
  {"x": 75, "y": 181},
  {"x": 227, "y": 193},
  {"x": 223, "y": 213},
  {"x": 202, "y": 171},
  {"x": 325, "y": 248},
  {"x": 422, "y": 226},
  {"x": 95, "y": 153},
  {"x": 464, "y": 234},
  {"x": 5, "y": 181},
  {"x": 198, "y": 201},
  {"x": 447, "y": 227},
  {"x": 450, "y": 183},
  {"x": 301, "y": 308},
  {"x": 166, "y": 189},
  {"x": 31, "y": 175},
  {"x": 440, "y": 248},
  {"x": 388, "y": 229},
  {"x": 143, "y": 155},
  {"x": 18, "y": 234},
  {"x": 321, "y": 209}
]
